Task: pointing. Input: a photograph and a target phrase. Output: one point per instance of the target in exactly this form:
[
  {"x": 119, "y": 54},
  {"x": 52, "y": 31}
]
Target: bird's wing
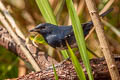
[{"x": 65, "y": 31}]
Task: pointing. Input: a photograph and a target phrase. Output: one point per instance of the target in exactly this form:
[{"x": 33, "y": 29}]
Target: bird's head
[{"x": 43, "y": 28}]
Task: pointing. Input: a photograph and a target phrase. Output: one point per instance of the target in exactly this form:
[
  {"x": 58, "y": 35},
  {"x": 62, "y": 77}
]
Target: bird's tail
[
  {"x": 106, "y": 12},
  {"x": 88, "y": 25}
]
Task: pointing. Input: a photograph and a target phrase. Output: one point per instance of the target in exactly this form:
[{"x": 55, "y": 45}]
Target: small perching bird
[{"x": 56, "y": 36}]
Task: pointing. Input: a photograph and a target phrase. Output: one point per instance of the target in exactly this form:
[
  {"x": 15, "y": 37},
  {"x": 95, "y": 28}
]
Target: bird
[{"x": 56, "y": 36}]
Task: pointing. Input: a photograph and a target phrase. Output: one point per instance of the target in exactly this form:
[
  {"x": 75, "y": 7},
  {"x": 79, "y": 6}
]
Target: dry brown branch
[
  {"x": 18, "y": 41},
  {"x": 53, "y": 3},
  {"x": 15, "y": 36},
  {"x": 59, "y": 9},
  {"x": 107, "y": 6},
  {"x": 103, "y": 42},
  {"x": 68, "y": 20},
  {"x": 80, "y": 7},
  {"x": 66, "y": 71},
  {"x": 28, "y": 17},
  {"x": 117, "y": 32},
  {"x": 11, "y": 20},
  {"x": 90, "y": 33},
  {"x": 7, "y": 42}
]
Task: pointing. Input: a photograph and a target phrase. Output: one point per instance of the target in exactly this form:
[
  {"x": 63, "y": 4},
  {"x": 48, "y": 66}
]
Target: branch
[
  {"x": 11, "y": 20},
  {"x": 106, "y": 7},
  {"x": 21, "y": 45},
  {"x": 66, "y": 71},
  {"x": 13, "y": 32},
  {"x": 103, "y": 42},
  {"x": 116, "y": 31},
  {"x": 40, "y": 57}
]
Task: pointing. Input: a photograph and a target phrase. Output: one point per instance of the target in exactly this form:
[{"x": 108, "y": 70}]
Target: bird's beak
[{"x": 34, "y": 30}]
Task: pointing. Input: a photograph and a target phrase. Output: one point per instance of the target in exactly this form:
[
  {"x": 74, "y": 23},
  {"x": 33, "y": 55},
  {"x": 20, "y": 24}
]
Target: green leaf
[
  {"x": 76, "y": 64},
  {"x": 46, "y": 11},
  {"x": 55, "y": 73},
  {"x": 65, "y": 54},
  {"x": 79, "y": 36}
]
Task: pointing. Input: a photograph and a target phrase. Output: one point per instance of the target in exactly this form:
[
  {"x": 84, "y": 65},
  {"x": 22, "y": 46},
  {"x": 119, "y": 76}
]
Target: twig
[
  {"x": 11, "y": 20},
  {"x": 80, "y": 7},
  {"x": 28, "y": 17},
  {"x": 112, "y": 28},
  {"x": 68, "y": 20},
  {"x": 103, "y": 42},
  {"x": 7, "y": 42},
  {"x": 103, "y": 10},
  {"x": 18, "y": 41},
  {"x": 90, "y": 33},
  {"x": 59, "y": 9},
  {"x": 107, "y": 6},
  {"x": 53, "y": 2}
]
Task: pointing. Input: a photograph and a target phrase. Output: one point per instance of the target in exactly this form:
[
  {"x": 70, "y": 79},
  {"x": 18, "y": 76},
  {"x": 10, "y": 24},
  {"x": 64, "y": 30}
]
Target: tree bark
[
  {"x": 66, "y": 71},
  {"x": 7, "y": 42}
]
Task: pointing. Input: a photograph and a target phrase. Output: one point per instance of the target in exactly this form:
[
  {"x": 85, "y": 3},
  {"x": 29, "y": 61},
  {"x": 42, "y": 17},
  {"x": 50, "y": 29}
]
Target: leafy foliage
[{"x": 8, "y": 64}]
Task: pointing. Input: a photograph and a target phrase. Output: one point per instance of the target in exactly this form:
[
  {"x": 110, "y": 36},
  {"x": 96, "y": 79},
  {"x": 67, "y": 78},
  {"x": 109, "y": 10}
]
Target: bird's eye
[{"x": 42, "y": 27}]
